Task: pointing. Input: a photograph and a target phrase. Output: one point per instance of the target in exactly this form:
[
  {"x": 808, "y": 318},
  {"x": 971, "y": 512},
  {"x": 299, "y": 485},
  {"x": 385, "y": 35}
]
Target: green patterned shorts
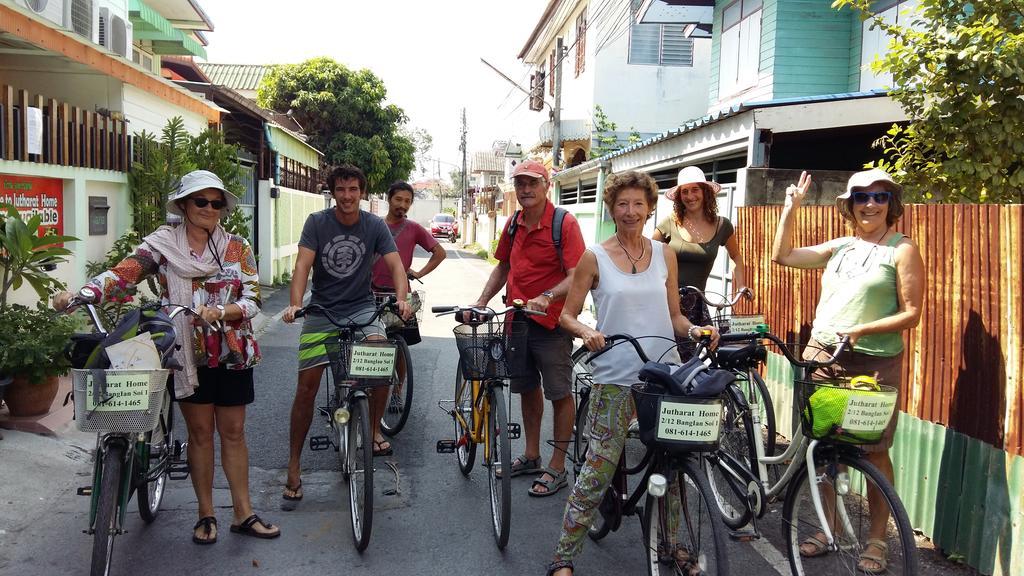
[{"x": 316, "y": 330}]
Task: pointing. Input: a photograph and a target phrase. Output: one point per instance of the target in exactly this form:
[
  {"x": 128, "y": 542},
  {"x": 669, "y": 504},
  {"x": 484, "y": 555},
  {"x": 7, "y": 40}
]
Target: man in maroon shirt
[{"x": 532, "y": 269}]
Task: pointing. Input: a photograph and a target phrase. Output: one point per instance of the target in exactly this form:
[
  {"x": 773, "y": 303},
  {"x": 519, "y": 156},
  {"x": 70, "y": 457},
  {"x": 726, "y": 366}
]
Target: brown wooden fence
[
  {"x": 964, "y": 364},
  {"x": 71, "y": 136}
]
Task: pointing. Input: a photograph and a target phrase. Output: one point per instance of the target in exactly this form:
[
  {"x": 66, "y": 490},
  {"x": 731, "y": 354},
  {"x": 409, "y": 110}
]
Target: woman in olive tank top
[
  {"x": 872, "y": 291},
  {"x": 694, "y": 232}
]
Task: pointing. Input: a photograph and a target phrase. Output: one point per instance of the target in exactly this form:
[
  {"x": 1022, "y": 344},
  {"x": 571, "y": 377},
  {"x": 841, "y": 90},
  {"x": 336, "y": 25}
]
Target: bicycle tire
[
  {"x": 151, "y": 492},
  {"x": 600, "y": 527},
  {"x": 399, "y": 402},
  {"x": 737, "y": 446},
  {"x": 360, "y": 481},
  {"x": 105, "y": 524},
  {"x": 702, "y": 530},
  {"x": 465, "y": 450},
  {"x": 581, "y": 424},
  {"x": 499, "y": 453},
  {"x": 799, "y": 519}
]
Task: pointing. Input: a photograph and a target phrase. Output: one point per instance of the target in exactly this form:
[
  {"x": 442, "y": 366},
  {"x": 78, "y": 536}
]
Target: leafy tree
[
  {"x": 344, "y": 114},
  {"x": 604, "y": 129},
  {"x": 958, "y": 74},
  {"x": 422, "y": 142}
]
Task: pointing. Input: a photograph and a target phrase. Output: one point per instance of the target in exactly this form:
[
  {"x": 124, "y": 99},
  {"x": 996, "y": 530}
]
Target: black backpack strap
[
  {"x": 513, "y": 224},
  {"x": 556, "y": 234}
]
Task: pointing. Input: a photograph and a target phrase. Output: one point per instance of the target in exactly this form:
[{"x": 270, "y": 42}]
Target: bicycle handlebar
[
  {"x": 844, "y": 343},
  {"x": 85, "y": 298},
  {"x": 388, "y": 303},
  {"x": 485, "y": 311},
  {"x": 729, "y": 303}
]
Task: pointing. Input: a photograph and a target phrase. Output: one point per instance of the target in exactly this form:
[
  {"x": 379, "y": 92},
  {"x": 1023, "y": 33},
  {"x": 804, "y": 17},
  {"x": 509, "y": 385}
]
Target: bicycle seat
[{"x": 740, "y": 355}]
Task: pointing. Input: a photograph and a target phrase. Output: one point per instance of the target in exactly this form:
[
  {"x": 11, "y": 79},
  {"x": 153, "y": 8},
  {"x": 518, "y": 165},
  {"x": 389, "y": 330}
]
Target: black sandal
[
  {"x": 556, "y": 566},
  {"x": 246, "y": 528},
  {"x": 208, "y": 523}
]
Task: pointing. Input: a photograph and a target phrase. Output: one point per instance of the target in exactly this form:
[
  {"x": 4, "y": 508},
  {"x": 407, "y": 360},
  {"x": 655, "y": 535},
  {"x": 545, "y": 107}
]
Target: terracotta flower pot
[{"x": 30, "y": 399}]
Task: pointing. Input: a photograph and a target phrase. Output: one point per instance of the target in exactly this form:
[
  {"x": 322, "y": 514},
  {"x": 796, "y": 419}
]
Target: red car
[{"x": 444, "y": 225}]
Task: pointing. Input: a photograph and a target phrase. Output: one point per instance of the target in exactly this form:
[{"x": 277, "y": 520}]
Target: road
[{"x": 438, "y": 523}]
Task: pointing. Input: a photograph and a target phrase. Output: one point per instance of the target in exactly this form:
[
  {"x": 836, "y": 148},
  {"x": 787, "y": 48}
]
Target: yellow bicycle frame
[{"x": 478, "y": 433}]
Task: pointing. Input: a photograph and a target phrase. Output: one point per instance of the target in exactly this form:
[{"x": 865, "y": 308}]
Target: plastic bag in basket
[{"x": 828, "y": 406}]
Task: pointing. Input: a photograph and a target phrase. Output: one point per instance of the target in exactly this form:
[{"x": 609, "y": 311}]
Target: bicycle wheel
[
  {"x": 685, "y": 536},
  {"x": 735, "y": 453},
  {"x": 105, "y": 524},
  {"x": 466, "y": 448},
  {"x": 155, "y": 459},
  {"x": 600, "y": 527},
  {"x": 400, "y": 396},
  {"x": 842, "y": 483},
  {"x": 360, "y": 467},
  {"x": 499, "y": 453}
]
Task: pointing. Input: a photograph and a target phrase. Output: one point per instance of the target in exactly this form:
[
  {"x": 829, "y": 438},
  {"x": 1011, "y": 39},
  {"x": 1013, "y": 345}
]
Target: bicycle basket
[
  {"x": 392, "y": 321},
  {"x": 493, "y": 350},
  {"x": 845, "y": 411},
  {"x": 677, "y": 424},
  {"x": 118, "y": 401}
]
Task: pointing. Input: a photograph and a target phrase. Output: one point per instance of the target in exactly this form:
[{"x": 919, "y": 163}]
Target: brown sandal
[
  {"x": 246, "y": 528},
  {"x": 207, "y": 523}
]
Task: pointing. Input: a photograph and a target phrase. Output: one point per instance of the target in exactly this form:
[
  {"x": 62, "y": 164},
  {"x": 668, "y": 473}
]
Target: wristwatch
[
  {"x": 549, "y": 294},
  {"x": 222, "y": 311}
]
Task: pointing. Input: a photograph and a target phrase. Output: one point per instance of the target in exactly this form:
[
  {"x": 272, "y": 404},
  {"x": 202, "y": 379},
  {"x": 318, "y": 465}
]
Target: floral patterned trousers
[{"x": 611, "y": 409}]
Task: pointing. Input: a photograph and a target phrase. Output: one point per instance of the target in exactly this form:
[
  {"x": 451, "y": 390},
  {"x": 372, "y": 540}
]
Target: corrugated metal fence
[{"x": 964, "y": 364}]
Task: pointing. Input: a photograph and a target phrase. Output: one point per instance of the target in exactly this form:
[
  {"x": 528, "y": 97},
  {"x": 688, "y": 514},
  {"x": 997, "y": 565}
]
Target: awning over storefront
[
  {"x": 290, "y": 145},
  {"x": 572, "y": 131}
]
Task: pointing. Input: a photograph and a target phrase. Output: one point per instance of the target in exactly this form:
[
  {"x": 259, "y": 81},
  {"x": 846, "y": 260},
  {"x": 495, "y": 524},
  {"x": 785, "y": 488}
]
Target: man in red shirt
[{"x": 532, "y": 269}]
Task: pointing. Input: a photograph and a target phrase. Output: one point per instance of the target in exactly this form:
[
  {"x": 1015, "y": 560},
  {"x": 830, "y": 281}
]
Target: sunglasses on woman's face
[
  {"x": 877, "y": 197},
  {"x": 202, "y": 202}
]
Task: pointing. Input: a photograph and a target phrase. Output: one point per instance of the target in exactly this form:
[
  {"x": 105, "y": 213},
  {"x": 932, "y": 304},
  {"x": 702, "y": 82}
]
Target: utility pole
[
  {"x": 556, "y": 113},
  {"x": 465, "y": 180},
  {"x": 437, "y": 182}
]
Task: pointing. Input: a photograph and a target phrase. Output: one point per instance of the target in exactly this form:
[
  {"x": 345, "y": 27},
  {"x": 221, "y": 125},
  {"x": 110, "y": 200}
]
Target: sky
[{"x": 427, "y": 52}]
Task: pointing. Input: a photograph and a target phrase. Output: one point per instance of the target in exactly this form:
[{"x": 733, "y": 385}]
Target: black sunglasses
[
  {"x": 878, "y": 197},
  {"x": 202, "y": 202}
]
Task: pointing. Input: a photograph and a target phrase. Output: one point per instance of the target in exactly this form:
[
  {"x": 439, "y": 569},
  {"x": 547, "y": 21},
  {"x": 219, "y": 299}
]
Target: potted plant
[{"x": 31, "y": 339}]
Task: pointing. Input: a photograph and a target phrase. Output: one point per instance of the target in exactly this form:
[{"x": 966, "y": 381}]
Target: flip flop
[
  {"x": 379, "y": 450},
  {"x": 295, "y": 490},
  {"x": 208, "y": 523},
  {"x": 558, "y": 481},
  {"x": 246, "y": 528},
  {"x": 556, "y": 566}
]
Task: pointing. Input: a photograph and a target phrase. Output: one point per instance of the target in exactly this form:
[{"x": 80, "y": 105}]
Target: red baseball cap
[{"x": 531, "y": 168}]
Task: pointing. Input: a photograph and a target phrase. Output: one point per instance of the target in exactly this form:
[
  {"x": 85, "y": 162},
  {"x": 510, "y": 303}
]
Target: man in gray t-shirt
[{"x": 339, "y": 245}]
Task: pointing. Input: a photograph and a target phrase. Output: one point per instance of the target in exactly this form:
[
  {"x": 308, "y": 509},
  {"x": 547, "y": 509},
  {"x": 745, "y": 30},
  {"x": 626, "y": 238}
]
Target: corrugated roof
[
  {"x": 717, "y": 117},
  {"x": 236, "y": 76},
  {"x": 487, "y": 162}
]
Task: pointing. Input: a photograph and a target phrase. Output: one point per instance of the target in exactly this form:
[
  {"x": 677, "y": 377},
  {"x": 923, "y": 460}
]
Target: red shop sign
[{"x": 31, "y": 196}]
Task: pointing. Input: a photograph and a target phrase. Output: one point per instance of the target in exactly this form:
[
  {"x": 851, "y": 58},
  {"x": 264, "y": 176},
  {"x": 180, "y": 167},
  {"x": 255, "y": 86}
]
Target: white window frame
[
  {"x": 740, "y": 47},
  {"x": 875, "y": 43},
  {"x": 664, "y": 30}
]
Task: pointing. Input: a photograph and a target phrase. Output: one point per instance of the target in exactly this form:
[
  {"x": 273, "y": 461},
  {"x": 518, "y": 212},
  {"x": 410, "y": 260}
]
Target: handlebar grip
[
  {"x": 439, "y": 309},
  {"x": 301, "y": 312}
]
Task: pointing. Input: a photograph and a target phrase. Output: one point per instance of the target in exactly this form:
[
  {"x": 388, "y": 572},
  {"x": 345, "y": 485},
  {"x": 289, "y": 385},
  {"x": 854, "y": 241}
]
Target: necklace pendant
[{"x": 634, "y": 268}]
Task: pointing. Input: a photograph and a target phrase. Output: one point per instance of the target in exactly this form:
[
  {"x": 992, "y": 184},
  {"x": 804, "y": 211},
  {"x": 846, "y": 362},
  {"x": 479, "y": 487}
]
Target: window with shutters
[
  {"x": 740, "y": 58},
  {"x": 875, "y": 41},
  {"x": 659, "y": 45},
  {"x": 581, "y": 42}
]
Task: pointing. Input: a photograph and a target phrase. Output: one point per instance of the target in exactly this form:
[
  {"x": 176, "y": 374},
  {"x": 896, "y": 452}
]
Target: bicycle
[
  {"x": 824, "y": 473},
  {"x": 679, "y": 538},
  {"x": 400, "y": 395},
  {"x": 136, "y": 453},
  {"x": 490, "y": 352},
  {"x": 355, "y": 367}
]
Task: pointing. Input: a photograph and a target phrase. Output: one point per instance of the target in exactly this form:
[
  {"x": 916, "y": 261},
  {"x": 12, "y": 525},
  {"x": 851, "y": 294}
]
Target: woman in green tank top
[{"x": 871, "y": 290}]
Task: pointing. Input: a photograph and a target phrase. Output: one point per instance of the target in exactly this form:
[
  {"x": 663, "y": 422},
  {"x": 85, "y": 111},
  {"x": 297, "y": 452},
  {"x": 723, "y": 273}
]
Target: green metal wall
[
  {"x": 811, "y": 49},
  {"x": 964, "y": 494}
]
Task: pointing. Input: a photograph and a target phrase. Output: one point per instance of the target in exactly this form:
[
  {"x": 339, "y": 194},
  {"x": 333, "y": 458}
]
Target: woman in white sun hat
[
  {"x": 199, "y": 264},
  {"x": 695, "y": 232},
  {"x": 872, "y": 290}
]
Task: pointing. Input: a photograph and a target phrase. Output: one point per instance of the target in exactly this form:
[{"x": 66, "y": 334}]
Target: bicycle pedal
[
  {"x": 178, "y": 470},
  {"x": 319, "y": 442},
  {"x": 446, "y": 446},
  {"x": 514, "y": 430},
  {"x": 744, "y": 535},
  {"x": 85, "y": 491}
]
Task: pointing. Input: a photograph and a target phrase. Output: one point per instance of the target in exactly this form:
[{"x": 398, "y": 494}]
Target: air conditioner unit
[
  {"x": 80, "y": 18},
  {"x": 112, "y": 29},
  {"x": 52, "y": 10}
]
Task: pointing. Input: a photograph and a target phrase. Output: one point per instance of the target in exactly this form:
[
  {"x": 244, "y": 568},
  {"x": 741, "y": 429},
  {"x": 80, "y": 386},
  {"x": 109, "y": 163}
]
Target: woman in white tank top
[{"x": 633, "y": 281}]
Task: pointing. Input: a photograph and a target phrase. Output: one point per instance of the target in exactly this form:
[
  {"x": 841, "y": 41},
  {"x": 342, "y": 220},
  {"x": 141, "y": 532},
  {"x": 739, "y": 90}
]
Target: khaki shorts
[
  {"x": 885, "y": 369},
  {"x": 548, "y": 362}
]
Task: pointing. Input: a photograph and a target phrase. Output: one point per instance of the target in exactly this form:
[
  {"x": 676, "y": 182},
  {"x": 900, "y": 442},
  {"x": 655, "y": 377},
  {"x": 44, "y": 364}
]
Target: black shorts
[{"x": 220, "y": 387}]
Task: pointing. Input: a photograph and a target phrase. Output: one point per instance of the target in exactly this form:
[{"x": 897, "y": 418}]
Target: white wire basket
[{"x": 118, "y": 401}]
